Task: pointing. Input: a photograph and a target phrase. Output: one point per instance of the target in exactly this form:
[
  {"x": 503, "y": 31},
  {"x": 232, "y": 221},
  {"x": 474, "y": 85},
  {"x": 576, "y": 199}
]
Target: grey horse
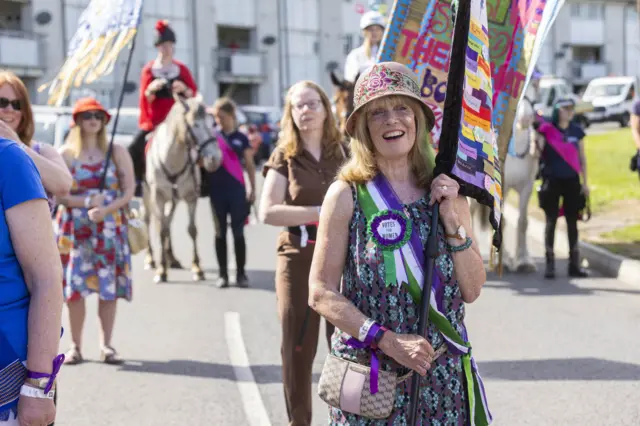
[{"x": 183, "y": 141}]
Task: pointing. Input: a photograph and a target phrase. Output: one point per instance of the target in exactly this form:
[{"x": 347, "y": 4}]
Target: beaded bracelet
[{"x": 462, "y": 247}]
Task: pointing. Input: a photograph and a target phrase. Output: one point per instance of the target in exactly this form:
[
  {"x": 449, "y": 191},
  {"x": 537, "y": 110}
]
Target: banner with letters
[{"x": 505, "y": 38}]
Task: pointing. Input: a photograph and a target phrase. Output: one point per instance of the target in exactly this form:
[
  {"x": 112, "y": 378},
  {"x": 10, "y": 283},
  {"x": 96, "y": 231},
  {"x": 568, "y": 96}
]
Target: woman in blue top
[
  {"x": 562, "y": 165},
  {"x": 30, "y": 290}
]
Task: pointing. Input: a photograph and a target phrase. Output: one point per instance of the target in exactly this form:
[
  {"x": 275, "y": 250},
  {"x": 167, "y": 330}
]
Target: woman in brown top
[{"x": 298, "y": 174}]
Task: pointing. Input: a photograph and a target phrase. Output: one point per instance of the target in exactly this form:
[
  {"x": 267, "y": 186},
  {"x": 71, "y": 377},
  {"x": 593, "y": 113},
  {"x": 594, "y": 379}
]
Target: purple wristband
[
  {"x": 57, "y": 363},
  {"x": 369, "y": 343}
]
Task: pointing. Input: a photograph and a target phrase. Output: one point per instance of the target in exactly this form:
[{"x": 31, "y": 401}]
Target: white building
[
  {"x": 593, "y": 39},
  {"x": 226, "y": 43}
]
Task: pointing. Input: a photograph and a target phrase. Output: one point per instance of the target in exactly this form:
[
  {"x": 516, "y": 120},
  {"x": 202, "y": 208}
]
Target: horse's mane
[{"x": 176, "y": 123}]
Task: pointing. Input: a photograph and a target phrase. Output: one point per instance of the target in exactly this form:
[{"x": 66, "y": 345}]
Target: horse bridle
[
  {"x": 524, "y": 154},
  {"x": 192, "y": 144}
]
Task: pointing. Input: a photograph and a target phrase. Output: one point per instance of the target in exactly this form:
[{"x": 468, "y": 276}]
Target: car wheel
[
  {"x": 582, "y": 121},
  {"x": 624, "y": 121}
]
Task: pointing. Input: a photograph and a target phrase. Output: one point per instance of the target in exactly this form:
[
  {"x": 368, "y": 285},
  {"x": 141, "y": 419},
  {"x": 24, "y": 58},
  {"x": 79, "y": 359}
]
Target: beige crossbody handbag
[{"x": 347, "y": 385}]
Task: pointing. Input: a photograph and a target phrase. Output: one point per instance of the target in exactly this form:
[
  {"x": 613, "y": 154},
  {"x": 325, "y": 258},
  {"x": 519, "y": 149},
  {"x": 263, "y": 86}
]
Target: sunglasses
[
  {"x": 15, "y": 103},
  {"x": 88, "y": 115}
]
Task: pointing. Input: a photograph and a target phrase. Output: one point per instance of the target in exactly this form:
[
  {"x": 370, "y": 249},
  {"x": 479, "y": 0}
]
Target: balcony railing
[
  {"x": 584, "y": 72},
  {"x": 20, "y": 49},
  {"x": 240, "y": 64}
]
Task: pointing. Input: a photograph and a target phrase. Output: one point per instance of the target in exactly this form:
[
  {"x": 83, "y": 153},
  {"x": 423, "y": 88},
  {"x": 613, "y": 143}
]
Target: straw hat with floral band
[
  {"x": 386, "y": 79},
  {"x": 87, "y": 105}
]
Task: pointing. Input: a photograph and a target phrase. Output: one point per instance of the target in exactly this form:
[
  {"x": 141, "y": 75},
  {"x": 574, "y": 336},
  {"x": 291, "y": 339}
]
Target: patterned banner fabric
[
  {"x": 503, "y": 35},
  {"x": 104, "y": 29}
]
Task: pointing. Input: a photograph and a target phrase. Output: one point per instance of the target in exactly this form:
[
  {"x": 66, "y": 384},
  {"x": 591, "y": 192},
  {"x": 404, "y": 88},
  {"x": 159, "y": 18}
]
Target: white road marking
[{"x": 249, "y": 393}]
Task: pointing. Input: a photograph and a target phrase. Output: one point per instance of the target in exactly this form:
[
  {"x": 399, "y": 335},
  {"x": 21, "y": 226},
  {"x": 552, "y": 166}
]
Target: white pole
[{"x": 277, "y": 99}]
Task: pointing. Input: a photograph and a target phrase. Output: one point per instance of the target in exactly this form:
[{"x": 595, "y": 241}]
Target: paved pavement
[{"x": 561, "y": 353}]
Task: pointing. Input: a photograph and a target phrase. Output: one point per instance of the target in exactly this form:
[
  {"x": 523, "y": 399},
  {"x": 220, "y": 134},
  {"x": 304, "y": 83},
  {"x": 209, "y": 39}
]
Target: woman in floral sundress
[
  {"x": 92, "y": 227},
  {"x": 374, "y": 224}
]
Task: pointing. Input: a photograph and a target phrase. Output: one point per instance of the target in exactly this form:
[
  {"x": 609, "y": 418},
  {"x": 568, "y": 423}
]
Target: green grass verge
[
  {"x": 629, "y": 234},
  {"x": 608, "y": 158}
]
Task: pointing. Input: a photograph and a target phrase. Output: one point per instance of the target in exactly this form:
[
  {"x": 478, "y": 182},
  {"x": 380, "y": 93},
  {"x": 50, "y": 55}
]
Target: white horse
[
  {"x": 520, "y": 171},
  {"x": 184, "y": 138}
]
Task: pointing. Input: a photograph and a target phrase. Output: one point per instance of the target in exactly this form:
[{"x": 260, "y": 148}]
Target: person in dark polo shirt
[
  {"x": 227, "y": 191},
  {"x": 562, "y": 165}
]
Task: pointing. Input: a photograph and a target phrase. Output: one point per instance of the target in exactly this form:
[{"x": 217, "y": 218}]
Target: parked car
[
  {"x": 612, "y": 98},
  {"x": 127, "y": 125},
  {"x": 554, "y": 88},
  {"x": 267, "y": 120},
  {"x": 53, "y": 123}
]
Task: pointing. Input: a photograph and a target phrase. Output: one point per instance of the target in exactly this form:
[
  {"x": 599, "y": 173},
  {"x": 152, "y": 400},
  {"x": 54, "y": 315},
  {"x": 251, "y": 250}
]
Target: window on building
[
  {"x": 587, "y": 54},
  {"x": 592, "y": 11}
]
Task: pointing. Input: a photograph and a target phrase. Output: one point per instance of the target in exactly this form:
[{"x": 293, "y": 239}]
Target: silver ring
[{"x": 444, "y": 187}]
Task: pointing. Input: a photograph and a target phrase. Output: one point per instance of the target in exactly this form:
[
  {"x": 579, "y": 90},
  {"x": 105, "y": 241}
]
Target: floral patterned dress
[
  {"x": 95, "y": 256},
  {"x": 442, "y": 395}
]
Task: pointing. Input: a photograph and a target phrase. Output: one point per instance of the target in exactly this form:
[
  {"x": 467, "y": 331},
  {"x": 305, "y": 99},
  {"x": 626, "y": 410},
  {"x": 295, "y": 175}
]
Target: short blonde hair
[
  {"x": 362, "y": 167},
  {"x": 290, "y": 141}
]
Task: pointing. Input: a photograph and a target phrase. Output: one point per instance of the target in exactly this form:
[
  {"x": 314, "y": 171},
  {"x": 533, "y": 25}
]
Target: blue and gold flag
[{"x": 104, "y": 29}]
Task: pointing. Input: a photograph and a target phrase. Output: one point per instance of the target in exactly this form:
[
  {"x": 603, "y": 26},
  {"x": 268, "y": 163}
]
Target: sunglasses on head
[
  {"x": 88, "y": 115},
  {"x": 15, "y": 103}
]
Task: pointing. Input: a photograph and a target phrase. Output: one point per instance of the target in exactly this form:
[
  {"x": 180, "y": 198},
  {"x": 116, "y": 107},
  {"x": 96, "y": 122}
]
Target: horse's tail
[
  {"x": 482, "y": 212},
  {"x": 485, "y": 215}
]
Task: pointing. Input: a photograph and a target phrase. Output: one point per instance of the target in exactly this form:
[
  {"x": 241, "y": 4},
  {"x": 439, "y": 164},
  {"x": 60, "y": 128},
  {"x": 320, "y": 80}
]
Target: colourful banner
[{"x": 502, "y": 37}]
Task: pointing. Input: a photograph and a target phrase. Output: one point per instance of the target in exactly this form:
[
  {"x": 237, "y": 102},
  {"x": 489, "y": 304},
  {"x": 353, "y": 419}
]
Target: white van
[
  {"x": 553, "y": 88},
  {"x": 612, "y": 98},
  {"x": 53, "y": 123}
]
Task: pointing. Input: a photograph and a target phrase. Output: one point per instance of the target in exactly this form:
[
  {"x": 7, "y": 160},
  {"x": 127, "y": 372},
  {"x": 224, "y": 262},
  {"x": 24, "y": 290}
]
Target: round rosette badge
[{"x": 390, "y": 229}]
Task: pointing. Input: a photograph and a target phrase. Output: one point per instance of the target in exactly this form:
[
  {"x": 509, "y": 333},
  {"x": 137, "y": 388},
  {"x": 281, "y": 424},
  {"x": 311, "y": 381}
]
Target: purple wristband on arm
[{"x": 370, "y": 343}]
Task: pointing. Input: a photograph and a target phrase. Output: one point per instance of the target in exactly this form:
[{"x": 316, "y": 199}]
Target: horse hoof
[
  {"x": 526, "y": 268},
  {"x": 150, "y": 265},
  {"x": 160, "y": 278},
  {"x": 174, "y": 264},
  {"x": 198, "y": 276}
]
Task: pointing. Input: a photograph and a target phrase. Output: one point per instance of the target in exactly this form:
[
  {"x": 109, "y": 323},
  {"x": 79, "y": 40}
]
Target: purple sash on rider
[{"x": 567, "y": 151}]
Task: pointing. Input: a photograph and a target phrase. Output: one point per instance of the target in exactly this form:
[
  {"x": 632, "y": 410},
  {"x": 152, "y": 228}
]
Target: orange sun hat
[{"x": 89, "y": 104}]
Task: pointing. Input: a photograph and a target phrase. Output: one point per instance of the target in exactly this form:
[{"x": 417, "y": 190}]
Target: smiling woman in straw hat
[{"x": 374, "y": 224}]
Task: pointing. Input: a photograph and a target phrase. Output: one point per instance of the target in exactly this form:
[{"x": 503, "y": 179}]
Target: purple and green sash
[{"x": 391, "y": 230}]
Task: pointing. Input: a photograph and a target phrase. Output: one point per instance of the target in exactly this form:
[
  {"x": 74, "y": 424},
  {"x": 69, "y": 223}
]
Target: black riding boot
[
  {"x": 221, "y": 254},
  {"x": 550, "y": 269},
  {"x": 241, "y": 259},
  {"x": 575, "y": 270}
]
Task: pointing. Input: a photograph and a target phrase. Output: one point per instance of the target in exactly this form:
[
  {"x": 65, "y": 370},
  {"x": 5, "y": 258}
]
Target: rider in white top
[{"x": 359, "y": 59}]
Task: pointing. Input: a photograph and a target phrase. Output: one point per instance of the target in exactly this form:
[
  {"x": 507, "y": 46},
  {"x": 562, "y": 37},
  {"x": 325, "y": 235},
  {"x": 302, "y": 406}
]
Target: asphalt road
[{"x": 551, "y": 353}]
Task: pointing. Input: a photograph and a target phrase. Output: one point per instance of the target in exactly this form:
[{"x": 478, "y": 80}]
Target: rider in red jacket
[{"x": 159, "y": 80}]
